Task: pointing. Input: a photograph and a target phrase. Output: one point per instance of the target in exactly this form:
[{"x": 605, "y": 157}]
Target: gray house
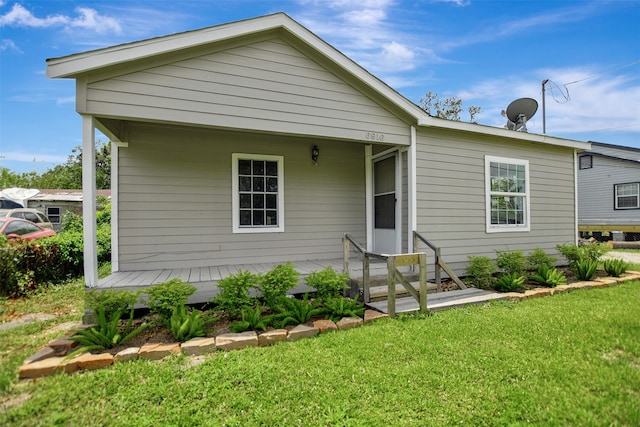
[
  {"x": 609, "y": 192},
  {"x": 256, "y": 142}
]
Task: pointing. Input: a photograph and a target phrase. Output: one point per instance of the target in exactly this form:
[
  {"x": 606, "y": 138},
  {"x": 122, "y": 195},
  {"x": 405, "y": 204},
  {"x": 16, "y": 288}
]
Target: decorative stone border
[{"x": 51, "y": 359}]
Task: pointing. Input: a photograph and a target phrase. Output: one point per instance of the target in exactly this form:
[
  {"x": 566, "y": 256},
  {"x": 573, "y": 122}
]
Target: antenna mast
[{"x": 544, "y": 115}]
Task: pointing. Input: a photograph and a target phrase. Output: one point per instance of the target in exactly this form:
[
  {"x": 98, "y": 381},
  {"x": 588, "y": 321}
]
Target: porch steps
[
  {"x": 440, "y": 300},
  {"x": 378, "y": 293}
]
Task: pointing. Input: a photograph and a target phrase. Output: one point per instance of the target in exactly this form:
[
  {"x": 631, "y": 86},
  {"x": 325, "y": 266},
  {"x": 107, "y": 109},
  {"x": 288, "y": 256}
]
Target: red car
[{"x": 23, "y": 229}]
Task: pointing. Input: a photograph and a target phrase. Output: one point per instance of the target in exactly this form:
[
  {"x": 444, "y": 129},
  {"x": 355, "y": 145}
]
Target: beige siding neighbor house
[{"x": 257, "y": 142}]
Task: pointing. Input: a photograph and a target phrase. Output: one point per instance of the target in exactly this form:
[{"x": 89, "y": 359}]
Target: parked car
[
  {"x": 32, "y": 215},
  {"x": 23, "y": 229}
]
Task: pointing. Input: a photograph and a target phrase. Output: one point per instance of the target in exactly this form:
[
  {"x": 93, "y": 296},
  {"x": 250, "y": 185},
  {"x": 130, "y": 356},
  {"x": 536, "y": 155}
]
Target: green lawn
[{"x": 569, "y": 359}]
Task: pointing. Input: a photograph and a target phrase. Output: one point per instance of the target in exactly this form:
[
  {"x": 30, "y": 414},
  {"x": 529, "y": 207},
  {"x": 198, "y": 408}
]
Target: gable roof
[{"x": 73, "y": 66}]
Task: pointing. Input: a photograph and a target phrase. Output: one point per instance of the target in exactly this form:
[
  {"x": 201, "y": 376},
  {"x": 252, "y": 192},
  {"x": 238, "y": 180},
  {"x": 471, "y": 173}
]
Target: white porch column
[
  {"x": 412, "y": 202},
  {"x": 368, "y": 165},
  {"x": 89, "y": 202}
]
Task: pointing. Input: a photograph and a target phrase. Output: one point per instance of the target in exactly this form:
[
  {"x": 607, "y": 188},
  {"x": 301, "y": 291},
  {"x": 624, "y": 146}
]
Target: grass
[{"x": 569, "y": 359}]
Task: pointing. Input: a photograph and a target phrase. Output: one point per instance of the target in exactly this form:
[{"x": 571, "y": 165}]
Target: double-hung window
[
  {"x": 258, "y": 193},
  {"x": 627, "y": 196},
  {"x": 507, "y": 194}
]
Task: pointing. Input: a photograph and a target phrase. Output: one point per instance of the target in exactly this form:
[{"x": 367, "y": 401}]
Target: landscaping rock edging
[{"x": 52, "y": 359}]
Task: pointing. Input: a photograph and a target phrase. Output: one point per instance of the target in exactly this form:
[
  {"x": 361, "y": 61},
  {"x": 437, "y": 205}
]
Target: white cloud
[
  {"x": 6, "y": 44},
  {"x": 18, "y": 156},
  {"x": 87, "y": 18}
]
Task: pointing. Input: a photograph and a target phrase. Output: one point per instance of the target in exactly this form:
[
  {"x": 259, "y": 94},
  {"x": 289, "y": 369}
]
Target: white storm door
[{"x": 384, "y": 206}]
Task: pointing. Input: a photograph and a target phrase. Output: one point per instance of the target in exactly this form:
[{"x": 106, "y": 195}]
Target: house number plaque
[{"x": 374, "y": 136}]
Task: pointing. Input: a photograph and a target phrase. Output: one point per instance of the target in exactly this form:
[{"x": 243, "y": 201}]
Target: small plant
[
  {"x": 586, "y": 268},
  {"x": 107, "y": 333},
  {"x": 509, "y": 282},
  {"x": 110, "y": 300},
  {"x": 251, "y": 319},
  {"x": 297, "y": 311},
  {"x": 234, "y": 293},
  {"x": 510, "y": 262},
  {"x": 275, "y": 283},
  {"x": 548, "y": 276},
  {"x": 615, "y": 267},
  {"x": 328, "y": 282},
  {"x": 538, "y": 258},
  {"x": 165, "y": 297},
  {"x": 573, "y": 253},
  {"x": 339, "y": 307},
  {"x": 186, "y": 324},
  {"x": 480, "y": 272}
]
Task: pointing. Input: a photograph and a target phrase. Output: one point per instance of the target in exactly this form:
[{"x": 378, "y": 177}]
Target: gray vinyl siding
[
  {"x": 263, "y": 86},
  {"x": 596, "y": 205},
  {"x": 175, "y": 199},
  {"x": 451, "y": 196}
]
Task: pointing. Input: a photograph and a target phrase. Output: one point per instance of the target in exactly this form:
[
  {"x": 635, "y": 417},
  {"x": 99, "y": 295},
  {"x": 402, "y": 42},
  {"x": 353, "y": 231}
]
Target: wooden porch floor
[{"x": 205, "y": 279}]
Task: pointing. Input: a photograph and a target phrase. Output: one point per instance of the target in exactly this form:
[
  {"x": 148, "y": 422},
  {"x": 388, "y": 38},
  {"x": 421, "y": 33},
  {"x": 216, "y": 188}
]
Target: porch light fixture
[{"x": 315, "y": 153}]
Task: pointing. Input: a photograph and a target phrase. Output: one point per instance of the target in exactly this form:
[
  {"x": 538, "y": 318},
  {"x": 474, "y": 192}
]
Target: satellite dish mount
[{"x": 519, "y": 112}]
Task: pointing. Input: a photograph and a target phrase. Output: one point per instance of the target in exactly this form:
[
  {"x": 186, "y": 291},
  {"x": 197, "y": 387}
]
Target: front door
[{"x": 384, "y": 198}]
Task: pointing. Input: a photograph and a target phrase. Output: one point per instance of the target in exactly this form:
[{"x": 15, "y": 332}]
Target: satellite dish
[{"x": 519, "y": 112}]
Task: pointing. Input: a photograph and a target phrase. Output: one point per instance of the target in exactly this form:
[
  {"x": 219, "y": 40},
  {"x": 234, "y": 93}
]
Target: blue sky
[{"x": 488, "y": 53}]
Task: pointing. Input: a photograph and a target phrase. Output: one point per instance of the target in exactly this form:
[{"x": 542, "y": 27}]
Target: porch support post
[
  {"x": 89, "y": 202},
  {"x": 368, "y": 166},
  {"x": 576, "y": 236},
  {"x": 411, "y": 188}
]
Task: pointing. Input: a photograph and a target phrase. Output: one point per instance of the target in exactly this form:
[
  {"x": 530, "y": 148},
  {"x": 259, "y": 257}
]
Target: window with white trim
[
  {"x": 507, "y": 194},
  {"x": 627, "y": 196},
  {"x": 258, "y": 193}
]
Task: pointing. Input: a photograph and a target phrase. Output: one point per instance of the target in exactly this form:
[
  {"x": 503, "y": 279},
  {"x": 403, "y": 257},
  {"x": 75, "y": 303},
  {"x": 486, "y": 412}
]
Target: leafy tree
[{"x": 448, "y": 108}]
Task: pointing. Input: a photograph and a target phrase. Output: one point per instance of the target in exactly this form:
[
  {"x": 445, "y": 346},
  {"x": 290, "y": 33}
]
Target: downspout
[
  {"x": 411, "y": 188},
  {"x": 89, "y": 202}
]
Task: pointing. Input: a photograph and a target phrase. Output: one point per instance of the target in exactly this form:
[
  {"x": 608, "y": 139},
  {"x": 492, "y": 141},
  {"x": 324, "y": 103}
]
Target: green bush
[
  {"x": 510, "y": 262},
  {"x": 251, "y": 319},
  {"x": 480, "y": 272},
  {"x": 275, "y": 283},
  {"x": 615, "y": 267},
  {"x": 509, "y": 282},
  {"x": 297, "y": 311},
  {"x": 338, "y": 307},
  {"x": 573, "y": 253},
  {"x": 538, "y": 258},
  {"x": 110, "y": 300},
  {"x": 328, "y": 282},
  {"x": 586, "y": 268},
  {"x": 234, "y": 293},
  {"x": 548, "y": 276},
  {"x": 164, "y": 298},
  {"x": 186, "y": 324}
]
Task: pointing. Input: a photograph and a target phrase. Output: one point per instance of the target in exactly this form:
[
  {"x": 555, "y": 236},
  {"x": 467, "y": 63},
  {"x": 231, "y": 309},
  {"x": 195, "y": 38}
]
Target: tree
[
  {"x": 446, "y": 108},
  {"x": 65, "y": 176}
]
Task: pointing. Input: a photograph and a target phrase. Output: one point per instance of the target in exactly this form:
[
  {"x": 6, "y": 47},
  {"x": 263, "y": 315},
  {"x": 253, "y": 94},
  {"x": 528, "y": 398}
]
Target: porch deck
[{"x": 205, "y": 279}]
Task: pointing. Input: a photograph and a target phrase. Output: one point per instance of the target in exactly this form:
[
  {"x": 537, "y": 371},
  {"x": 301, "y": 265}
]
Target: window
[
  {"x": 507, "y": 194},
  {"x": 258, "y": 193},
  {"x": 54, "y": 214},
  {"x": 627, "y": 196},
  {"x": 586, "y": 162}
]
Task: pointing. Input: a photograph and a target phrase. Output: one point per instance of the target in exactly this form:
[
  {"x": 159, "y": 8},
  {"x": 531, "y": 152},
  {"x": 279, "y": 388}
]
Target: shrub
[
  {"x": 548, "y": 276},
  {"x": 107, "y": 333},
  {"x": 275, "y": 283},
  {"x": 573, "y": 253},
  {"x": 480, "y": 272},
  {"x": 328, "y": 282},
  {"x": 186, "y": 324},
  {"x": 297, "y": 311},
  {"x": 234, "y": 292},
  {"x": 339, "y": 307},
  {"x": 111, "y": 301},
  {"x": 251, "y": 319},
  {"x": 509, "y": 282},
  {"x": 510, "y": 262},
  {"x": 538, "y": 258},
  {"x": 586, "y": 268},
  {"x": 165, "y": 297},
  {"x": 615, "y": 267}
]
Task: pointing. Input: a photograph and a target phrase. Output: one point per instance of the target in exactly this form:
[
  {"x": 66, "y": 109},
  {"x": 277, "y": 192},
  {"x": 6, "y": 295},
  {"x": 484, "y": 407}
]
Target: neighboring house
[
  {"x": 609, "y": 192},
  {"x": 256, "y": 141},
  {"x": 55, "y": 203}
]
